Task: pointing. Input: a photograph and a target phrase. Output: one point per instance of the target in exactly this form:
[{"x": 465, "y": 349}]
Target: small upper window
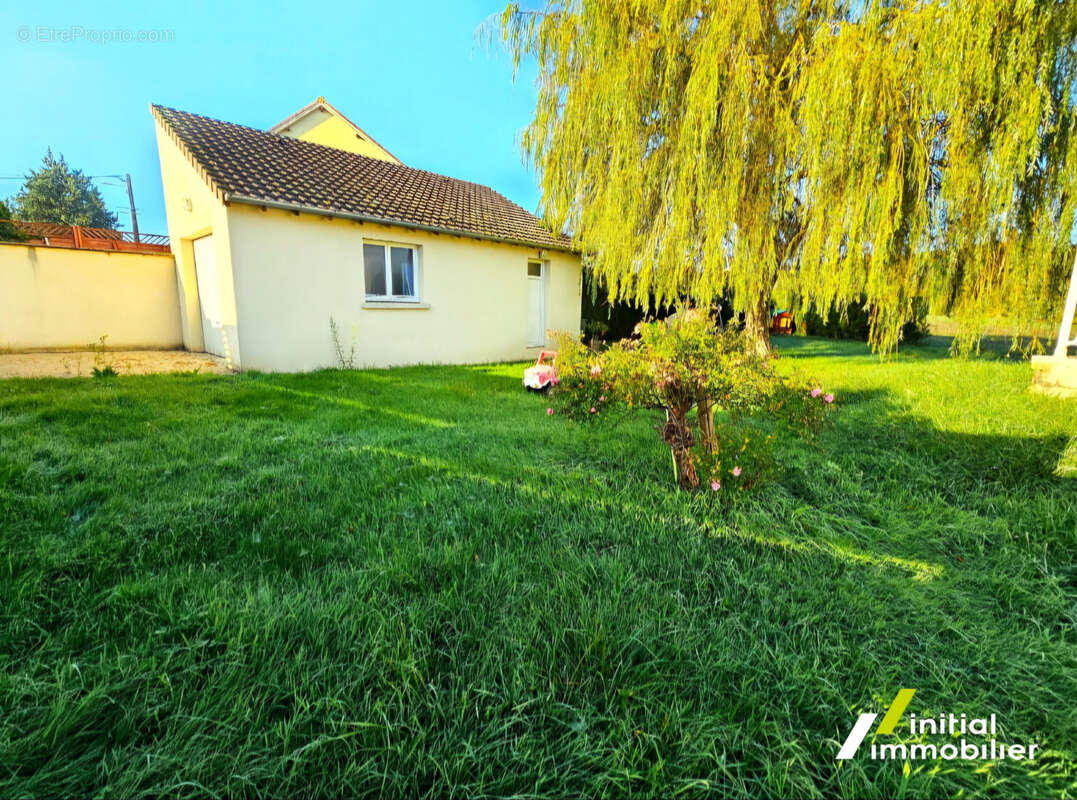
[
  {"x": 534, "y": 269},
  {"x": 390, "y": 272}
]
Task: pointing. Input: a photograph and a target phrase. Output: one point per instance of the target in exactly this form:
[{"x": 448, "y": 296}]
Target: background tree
[
  {"x": 8, "y": 232},
  {"x": 57, "y": 193},
  {"x": 890, "y": 150}
]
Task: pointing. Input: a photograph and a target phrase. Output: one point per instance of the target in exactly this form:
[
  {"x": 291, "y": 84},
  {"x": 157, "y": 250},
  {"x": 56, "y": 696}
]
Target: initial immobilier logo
[{"x": 967, "y": 739}]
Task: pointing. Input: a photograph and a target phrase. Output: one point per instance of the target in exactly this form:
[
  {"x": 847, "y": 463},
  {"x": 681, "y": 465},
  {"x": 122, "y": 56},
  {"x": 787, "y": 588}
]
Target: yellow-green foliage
[{"x": 894, "y": 149}]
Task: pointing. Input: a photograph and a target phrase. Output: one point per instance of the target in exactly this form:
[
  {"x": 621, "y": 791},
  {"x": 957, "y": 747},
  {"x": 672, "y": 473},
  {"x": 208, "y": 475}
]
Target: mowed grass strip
[{"x": 415, "y": 583}]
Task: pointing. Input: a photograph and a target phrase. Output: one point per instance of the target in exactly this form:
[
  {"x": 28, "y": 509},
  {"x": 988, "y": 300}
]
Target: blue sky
[{"x": 410, "y": 74}]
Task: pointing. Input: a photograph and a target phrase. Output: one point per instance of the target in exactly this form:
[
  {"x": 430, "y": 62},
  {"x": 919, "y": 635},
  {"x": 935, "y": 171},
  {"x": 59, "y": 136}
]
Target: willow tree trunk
[{"x": 757, "y": 325}]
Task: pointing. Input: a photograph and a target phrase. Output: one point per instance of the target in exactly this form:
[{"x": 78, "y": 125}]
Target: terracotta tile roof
[{"x": 246, "y": 165}]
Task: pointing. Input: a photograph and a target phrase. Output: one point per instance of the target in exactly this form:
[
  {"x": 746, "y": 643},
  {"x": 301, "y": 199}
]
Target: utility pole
[{"x": 131, "y": 199}]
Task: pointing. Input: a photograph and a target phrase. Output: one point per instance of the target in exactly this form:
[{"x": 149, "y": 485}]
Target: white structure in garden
[{"x": 1057, "y": 373}]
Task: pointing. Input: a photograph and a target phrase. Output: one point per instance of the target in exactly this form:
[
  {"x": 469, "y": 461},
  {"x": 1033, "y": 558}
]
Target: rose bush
[
  {"x": 696, "y": 374},
  {"x": 581, "y": 390}
]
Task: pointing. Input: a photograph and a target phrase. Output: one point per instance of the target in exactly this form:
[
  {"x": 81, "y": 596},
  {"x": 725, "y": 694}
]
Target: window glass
[
  {"x": 374, "y": 266},
  {"x": 534, "y": 269},
  {"x": 403, "y": 263}
]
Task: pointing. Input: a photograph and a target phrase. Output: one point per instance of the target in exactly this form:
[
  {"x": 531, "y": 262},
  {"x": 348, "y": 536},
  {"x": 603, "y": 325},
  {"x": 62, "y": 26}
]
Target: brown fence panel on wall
[{"x": 51, "y": 234}]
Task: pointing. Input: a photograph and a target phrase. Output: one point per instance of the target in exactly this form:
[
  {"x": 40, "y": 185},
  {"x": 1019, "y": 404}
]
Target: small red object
[
  {"x": 782, "y": 323},
  {"x": 544, "y": 374}
]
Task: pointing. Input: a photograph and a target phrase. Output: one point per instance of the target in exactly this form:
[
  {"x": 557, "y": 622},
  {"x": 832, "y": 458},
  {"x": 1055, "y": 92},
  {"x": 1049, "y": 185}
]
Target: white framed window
[{"x": 391, "y": 272}]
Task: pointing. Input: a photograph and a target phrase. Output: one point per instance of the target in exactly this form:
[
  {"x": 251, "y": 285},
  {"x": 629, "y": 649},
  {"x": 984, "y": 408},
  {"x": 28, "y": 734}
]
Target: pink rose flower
[
  {"x": 736, "y": 472},
  {"x": 602, "y": 399},
  {"x": 592, "y": 409},
  {"x": 816, "y": 392},
  {"x": 549, "y": 412},
  {"x": 829, "y": 398},
  {"x": 715, "y": 486},
  {"x": 596, "y": 371}
]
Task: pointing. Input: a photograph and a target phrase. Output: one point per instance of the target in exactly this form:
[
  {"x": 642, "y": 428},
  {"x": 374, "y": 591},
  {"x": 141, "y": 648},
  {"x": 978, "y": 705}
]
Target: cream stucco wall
[
  {"x": 293, "y": 273},
  {"x": 194, "y": 211},
  {"x": 322, "y": 127},
  {"x": 53, "y": 297}
]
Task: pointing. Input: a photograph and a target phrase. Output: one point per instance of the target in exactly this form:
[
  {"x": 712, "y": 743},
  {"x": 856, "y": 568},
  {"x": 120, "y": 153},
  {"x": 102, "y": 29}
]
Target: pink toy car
[{"x": 543, "y": 375}]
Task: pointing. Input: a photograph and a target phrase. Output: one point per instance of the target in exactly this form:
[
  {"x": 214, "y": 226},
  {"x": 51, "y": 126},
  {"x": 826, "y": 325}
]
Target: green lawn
[{"x": 412, "y": 582}]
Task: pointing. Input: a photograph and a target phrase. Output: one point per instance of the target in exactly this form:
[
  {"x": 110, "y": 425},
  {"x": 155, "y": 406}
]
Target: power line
[{"x": 91, "y": 177}]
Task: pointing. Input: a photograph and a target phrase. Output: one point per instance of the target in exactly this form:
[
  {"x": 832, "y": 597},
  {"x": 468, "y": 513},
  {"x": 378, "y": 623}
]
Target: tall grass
[{"x": 415, "y": 583}]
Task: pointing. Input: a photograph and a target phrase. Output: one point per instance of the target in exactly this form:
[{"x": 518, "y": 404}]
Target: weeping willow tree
[{"x": 832, "y": 150}]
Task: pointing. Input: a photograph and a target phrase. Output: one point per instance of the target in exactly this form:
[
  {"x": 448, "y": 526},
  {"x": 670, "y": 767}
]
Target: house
[{"x": 279, "y": 235}]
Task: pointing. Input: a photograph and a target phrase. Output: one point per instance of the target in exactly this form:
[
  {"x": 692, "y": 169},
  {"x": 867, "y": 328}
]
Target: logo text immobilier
[{"x": 966, "y": 739}]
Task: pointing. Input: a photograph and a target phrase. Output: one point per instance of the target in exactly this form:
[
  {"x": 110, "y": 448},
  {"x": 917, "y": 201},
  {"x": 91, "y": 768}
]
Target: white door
[
  {"x": 536, "y": 304},
  {"x": 209, "y": 294}
]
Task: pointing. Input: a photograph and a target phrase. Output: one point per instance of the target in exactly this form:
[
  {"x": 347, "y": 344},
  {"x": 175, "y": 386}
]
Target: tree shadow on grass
[
  {"x": 880, "y": 489},
  {"x": 881, "y": 486},
  {"x": 799, "y": 347},
  {"x": 886, "y": 484},
  {"x": 932, "y": 347},
  {"x": 973, "y": 461}
]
